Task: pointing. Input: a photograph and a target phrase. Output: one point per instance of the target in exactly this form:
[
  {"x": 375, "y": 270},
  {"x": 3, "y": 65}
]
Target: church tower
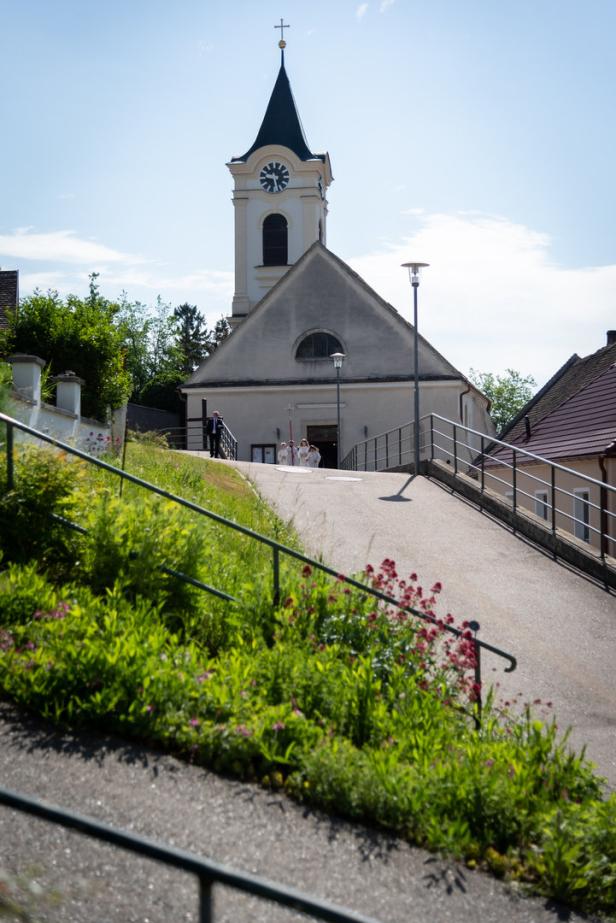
[{"x": 279, "y": 198}]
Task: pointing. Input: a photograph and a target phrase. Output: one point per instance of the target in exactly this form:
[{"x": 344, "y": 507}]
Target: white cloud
[
  {"x": 59, "y": 247},
  {"x": 361, "y": 10},
  {"x": 493, "y": 298},
  {"x": 385, "y": 4},
  {"x": 210, "y": 290}
]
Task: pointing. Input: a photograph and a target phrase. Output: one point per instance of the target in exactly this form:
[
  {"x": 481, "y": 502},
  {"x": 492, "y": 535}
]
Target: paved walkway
[
  {"x": 240, "y": 825},
  {"x": 560, "y": 626}
]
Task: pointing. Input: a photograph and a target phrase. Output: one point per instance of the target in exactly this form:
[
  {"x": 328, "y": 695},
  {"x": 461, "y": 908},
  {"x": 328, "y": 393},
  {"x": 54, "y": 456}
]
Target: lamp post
[
  {"x": 337, "y": 359},
  {"x": 290, "y": 412},
  {"x": 413, "y": 269}
]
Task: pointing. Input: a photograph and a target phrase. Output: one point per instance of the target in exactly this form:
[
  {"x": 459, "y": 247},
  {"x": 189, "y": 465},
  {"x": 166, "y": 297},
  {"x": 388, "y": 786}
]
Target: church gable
[{"x": 320, "y": 296}]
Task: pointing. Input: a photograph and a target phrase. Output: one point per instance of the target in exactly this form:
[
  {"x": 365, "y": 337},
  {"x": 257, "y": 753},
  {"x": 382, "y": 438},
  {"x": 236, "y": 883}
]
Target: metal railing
[
  {"x": 277, "y": 548},
  {"x": 207, "y": 872},
  {"x": 193, "y": 436},
  {"x": 473, "y": 453},
  {"x": 479, "y": 460},
  {"x": 392, "y": 449}
]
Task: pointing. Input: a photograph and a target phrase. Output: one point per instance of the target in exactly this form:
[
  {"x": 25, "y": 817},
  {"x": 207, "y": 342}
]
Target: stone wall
[{"x": 62, "y": 420}]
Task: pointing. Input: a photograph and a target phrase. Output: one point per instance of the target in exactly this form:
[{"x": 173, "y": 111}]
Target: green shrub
[
  {"x": 43, "y": 487},
  {"x": 131, "y": 542}
]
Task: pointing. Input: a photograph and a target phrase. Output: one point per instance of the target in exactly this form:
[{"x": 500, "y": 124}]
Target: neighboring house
[
  {"x": 571, "y": 421},
  {"x": 295, "y": 304},
  {"x": 9, "y": 294}
]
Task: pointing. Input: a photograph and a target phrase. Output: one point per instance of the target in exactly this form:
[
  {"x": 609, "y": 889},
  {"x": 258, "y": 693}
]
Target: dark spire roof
[{"x": 281, "y": 123}]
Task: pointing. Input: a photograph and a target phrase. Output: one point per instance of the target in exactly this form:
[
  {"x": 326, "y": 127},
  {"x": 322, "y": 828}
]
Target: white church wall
[{"x": 255, "y": 414}]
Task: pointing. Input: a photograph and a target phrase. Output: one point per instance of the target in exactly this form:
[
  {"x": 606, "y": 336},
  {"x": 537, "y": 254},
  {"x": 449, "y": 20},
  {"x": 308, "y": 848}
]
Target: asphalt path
[
  {"x": 559, "y": 625},
  {"x": 68, "y": 878}
]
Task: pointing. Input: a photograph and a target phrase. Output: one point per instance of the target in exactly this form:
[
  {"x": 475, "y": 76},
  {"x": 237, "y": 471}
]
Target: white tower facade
[{"x": 279, "y": 198}]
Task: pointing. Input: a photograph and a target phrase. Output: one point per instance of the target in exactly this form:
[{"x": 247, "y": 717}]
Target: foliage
[
  {"x": 507, "y": 393},
  {"x": 44, "y": 484},
  {"x": 76, "y": 334},
  {"x": 163, "y": 347},
  {"x": 349, "y": 705},
  {"x": 192, "y": 337},
  {"x": 6, "y": 378}
]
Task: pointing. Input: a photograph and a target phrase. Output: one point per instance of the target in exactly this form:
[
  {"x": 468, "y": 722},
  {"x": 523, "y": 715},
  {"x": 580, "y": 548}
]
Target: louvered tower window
[{"x": 275, "y": 250}]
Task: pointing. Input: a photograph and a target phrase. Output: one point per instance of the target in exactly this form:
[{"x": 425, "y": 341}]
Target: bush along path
[{"x": 340, "y": 703}]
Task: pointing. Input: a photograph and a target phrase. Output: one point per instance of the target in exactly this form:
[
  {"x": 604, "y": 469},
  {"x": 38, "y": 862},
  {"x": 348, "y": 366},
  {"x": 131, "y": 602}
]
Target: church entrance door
[{"x": 325, "y": 439}]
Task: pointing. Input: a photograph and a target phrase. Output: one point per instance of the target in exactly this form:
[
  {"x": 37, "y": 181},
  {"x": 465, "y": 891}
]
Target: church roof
[
  {"x": 281, "y": 123},
  {"x": 330, "y": 301}
]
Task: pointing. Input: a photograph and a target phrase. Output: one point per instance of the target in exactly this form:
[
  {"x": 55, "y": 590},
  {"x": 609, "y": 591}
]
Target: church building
[{"x": 295, "y": 304}]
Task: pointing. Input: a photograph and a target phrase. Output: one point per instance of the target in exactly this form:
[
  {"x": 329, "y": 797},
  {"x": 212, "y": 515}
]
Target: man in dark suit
[{"x": 213, "y": 429}]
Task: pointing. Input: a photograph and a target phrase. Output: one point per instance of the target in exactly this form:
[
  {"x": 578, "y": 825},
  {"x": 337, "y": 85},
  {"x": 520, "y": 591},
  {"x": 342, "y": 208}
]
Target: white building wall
[{"x": 378, "y": 407}]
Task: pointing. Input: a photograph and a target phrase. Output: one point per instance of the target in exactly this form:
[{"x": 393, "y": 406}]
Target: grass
[{"x": 352, "y": 706}]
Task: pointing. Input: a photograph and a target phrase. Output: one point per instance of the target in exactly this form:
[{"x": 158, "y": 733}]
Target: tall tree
[
  {"x": 508, "y": 393},
  {"x": 191, "y": 337},
  {"x": 222, "y": 329}
]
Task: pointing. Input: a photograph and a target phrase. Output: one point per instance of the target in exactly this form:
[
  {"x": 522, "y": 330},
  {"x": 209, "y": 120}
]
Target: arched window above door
[
  {"x": 275, "y": 241},
  {"x": 318, "y": 345}
]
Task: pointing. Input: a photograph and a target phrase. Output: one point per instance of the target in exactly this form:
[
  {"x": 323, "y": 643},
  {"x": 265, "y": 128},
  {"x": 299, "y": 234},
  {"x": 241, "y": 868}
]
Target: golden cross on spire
[{"x": 282, "y": 44}]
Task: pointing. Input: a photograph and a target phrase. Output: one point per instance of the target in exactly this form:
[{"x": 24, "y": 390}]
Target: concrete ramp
[{"x": 560, "y": 626}]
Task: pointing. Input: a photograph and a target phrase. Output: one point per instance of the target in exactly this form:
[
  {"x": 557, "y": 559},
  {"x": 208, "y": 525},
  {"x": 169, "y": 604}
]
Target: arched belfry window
[
  {"x": 275, "y": 250},
  {"x": 319, "y": 345}
]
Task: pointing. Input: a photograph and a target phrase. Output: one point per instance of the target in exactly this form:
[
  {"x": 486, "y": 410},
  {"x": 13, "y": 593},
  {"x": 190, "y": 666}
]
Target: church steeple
[
  {"x": 281, "y": 124},
  {"x": 279, "y": 198}
]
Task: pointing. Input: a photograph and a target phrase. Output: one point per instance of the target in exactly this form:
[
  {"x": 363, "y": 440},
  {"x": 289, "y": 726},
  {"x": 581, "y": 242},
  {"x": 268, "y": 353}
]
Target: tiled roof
[
  {"x": 9, "y": 293},
  {"x": 574, "y": 415},
  {"x": 281, "y": 123},
  {"x": 574, "y": 375}
]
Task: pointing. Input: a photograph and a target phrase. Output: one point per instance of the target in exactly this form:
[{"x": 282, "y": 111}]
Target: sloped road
[{"x": 560, "y": 626}]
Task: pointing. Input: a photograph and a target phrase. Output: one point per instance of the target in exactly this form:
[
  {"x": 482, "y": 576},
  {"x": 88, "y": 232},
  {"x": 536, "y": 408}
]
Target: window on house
[
  {"x": 541, "y": 504},
  {"x": 275, "y": 246},
  {"x": 581, "y": 513},
  {"x": 318, "y": 345}
]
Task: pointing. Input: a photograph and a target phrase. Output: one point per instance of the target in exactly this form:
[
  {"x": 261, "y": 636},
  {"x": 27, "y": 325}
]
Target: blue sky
[{"x": 475, "y": 135}]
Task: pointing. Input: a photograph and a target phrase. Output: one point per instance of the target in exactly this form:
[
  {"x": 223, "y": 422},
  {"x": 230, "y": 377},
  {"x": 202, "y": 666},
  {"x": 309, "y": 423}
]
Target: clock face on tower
[{"x": 274, "y": 177}]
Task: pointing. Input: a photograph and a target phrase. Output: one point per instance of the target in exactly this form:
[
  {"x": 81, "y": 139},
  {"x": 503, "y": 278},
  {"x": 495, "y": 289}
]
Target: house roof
[
  {"x": 573, "y": 415},
  {"x": 575, "y": 374},
  {"x": 9, "y": 293},
  {"x": 281, "y": 123}
]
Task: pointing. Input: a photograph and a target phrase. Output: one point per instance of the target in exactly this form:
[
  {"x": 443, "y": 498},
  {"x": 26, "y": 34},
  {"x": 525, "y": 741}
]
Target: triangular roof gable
[{"x": 295, "y": 305}]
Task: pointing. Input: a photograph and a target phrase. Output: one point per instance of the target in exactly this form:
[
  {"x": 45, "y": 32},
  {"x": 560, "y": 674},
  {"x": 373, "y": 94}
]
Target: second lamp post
[
  {"x": 338, "y": 359},
  {"x": 413, "y": 269}
]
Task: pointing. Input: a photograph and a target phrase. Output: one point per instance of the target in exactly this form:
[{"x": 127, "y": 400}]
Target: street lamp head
[
  {"x": 413, "y": 269},
  {"x": 338, "y": 359}
]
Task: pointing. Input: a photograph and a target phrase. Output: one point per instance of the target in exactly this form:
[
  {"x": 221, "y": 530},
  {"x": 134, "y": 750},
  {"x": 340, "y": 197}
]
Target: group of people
[{"x": 304, "y": 455}]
